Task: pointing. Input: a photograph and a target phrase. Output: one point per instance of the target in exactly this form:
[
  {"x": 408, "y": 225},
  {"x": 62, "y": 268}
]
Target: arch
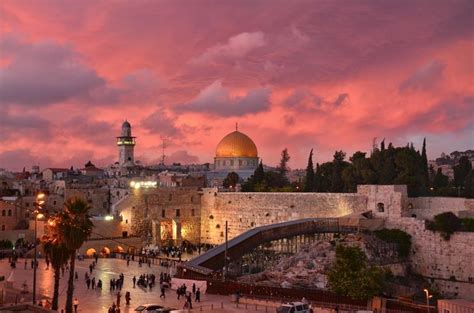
[
  {"x": 410, "y": 206},
  {"x": 105, "y": 251},
  {"x": 4, "y": 212},
  {"x": 380, "y": 207},
  {"x": 9, "y": 212},
  {"x": 119, "y": 249},
  {"x": 90, "y": 252}
]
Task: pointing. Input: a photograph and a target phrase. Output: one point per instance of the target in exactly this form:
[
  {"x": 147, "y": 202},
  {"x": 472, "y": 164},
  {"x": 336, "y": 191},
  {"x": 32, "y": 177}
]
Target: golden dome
[{"x": 236, "y": 144}]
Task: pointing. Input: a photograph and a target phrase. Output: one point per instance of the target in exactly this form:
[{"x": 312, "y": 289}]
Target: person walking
[
  {"x": 162, "y": 294},
  {"x": 76, "y": 304},
  {"x": 198, "y": 296},
  {"x": 127, "y": 298},
  {"x": 118, "y": 298},
  {"x": 194, "y": 288},
  {"x": 134, "y": 281}
]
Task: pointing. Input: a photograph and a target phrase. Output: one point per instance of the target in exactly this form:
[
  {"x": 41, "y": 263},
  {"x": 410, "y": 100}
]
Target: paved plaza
[{"x": 94, "y": 300}]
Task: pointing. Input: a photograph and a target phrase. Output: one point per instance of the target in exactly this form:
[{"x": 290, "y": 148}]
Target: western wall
[
  {"x": 203, "y": 213},
  {"x": 245, "y": 210}
]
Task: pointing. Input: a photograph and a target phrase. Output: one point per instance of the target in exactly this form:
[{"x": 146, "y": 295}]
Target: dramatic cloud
[
  {"x": 216, "y": 100},
  {"x": 43, "y": 73},
  {"x": 182, "y": 156},
  {"x": 301, "y": 75},
  {"x": 425, "y": 77},
  {"x": 236, "y": 47}
]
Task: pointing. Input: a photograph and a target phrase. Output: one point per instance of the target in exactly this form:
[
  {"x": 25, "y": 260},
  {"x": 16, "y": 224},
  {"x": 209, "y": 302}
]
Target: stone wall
[
  {"x": 244, "y": 211},
  {"x": 448, "y": 264},
  {"x": 97, "y": 198},
  {"x": 428, "y": 207},
  {"x": 163, "y": 207}
]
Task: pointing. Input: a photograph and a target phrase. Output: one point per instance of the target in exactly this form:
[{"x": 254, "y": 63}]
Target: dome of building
[{"x": 236, "y": 144}]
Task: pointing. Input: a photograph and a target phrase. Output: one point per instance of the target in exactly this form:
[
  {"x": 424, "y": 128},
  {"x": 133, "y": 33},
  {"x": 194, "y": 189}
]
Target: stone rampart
[
  {"x": 448, "y": 264},
  {"x": 428, "y": 207},
  {"x": 247, "y": 210}
]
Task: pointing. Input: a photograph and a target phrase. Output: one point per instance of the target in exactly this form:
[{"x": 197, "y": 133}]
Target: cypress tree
[
  {"x": 309, "y": 181},
  {"x": 259, "y": 174}
]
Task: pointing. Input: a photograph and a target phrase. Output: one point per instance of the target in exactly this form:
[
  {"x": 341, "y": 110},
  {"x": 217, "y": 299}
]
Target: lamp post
[
  {"x": 428, "y": 297},
  {"x": 40, "y": 200}
]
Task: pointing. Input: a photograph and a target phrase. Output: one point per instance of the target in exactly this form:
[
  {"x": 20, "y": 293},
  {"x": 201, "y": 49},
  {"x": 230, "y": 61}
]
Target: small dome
[
  {"x": 236, "y": 144},
  {"x": 126, "y": 129}
]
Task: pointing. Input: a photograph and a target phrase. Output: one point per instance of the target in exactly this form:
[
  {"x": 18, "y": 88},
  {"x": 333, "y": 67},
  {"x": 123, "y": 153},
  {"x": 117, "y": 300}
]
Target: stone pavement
[{"x": 91, "y": 301}]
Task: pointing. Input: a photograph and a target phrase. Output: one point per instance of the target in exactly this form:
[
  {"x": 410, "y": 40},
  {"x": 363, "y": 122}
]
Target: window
[
  {"x": 170, "y": 197},
  {"x": 9, "y": 212},
  {"x": 410, "y": 206},
  {"x": 178, "y": 212},
  {"x": 380, "y": 207},
  {"x": 192, "y": 212},
  {"x": 232, "y": 162},
  {"x": 54, "y": 202},
  {"x": 163, "y": 213},
  {"x": 27, "y": 204},
  {"x": 4, "y": 212},
  {"x": 3, "y": 227},
  {"x": 192, "y": 198},
  {"x": 446, "y": 311}
]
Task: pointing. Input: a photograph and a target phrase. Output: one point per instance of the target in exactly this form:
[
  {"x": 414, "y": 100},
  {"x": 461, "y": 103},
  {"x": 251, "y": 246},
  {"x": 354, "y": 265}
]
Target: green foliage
[
  {"x": 231, "y": 180},
  {"x": 446, "y": 224},
  {"x": 309, "y": 179},
  {"x": 401, "y": 238},
  {"x": 467, "y": 224},
  {"x": 6, "y": 244},
  {"x": 353, "y": 277}
]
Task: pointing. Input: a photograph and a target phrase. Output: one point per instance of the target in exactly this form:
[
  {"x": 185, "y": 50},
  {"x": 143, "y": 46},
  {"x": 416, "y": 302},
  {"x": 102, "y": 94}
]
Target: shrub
[
  {"x": 401, "y": 238},
  {"x": 467, "y": 224},
  {"x": 6, "y": 244},
  {"x": 446, "y": 223}
]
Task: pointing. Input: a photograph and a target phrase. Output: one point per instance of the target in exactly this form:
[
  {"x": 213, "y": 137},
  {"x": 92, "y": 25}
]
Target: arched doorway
[
  {"x": 105, "y": 251},
  {"x": 90, "y": 252},
  {"x": 119, "y": 249}
]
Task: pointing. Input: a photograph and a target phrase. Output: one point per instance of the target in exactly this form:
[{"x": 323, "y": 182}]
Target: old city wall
[
  {"x": 428, "y": 207},
  {"x": 244, "y": 211},
  {"x": 98, "y": 198},
  {"x": 448, "y": 264},
  {"x": 166, "y": 207}
]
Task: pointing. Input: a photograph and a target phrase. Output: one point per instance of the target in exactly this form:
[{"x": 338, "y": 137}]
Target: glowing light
[
  {"x": 109, "y": 217},
  {"x": 143, "y": 184},
  {"x": 40, "y": 196},
  {"x": 40, "y": 216}
]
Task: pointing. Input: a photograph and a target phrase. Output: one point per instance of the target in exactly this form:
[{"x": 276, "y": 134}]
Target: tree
[
  {"x": 74, "y": 227},
  {"x": 440, "y": 180},
  {"x": 424, "y": 163},
  {"x": 231, "y": 180},
  {"x": 58, "y": 254},
  {"x": 259, "y": 173},
  {"x": 309, "y": 180},
  {"x": 461, "y": 171},
  {"x": 283, "y": 166},
  {"x": 337, "y": 184},
  {"x": 352, "y": 276}
]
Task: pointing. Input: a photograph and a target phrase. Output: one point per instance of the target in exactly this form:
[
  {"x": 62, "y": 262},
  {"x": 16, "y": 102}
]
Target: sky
[{"x": 328, "y": 75}]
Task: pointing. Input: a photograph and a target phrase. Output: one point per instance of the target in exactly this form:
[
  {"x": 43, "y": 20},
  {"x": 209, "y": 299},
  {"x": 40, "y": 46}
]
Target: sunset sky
[{"x": 299, "y": 74}]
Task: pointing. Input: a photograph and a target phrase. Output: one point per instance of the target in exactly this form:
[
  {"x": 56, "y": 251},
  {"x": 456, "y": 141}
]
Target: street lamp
[
  {"x": 428, "y": 297},
  {"x": 40, "y": 200}
]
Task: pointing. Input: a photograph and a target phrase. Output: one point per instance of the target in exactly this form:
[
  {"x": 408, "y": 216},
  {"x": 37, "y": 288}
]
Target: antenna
[{"x": 163, "y": 146}]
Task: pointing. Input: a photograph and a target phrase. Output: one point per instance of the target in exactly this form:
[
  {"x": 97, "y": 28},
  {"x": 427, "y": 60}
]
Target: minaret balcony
[{"x": 125, "y": 141}]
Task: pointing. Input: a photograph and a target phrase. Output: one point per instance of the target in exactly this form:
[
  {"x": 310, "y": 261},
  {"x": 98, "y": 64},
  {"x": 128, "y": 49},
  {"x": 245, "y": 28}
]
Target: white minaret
[{"x": 126, "y": 144}]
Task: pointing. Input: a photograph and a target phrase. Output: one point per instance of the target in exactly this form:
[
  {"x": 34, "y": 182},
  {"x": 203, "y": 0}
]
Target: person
[
  {"x": 189, "y": 300},
  {"x": 337, "y": 309},
  {"x": 194, "y": 288},
  {"x": 76, "y": 304},
  {"x": 76, "y": 276},
  {"x": 26, "y": 264},
  {"x": 127, "y": 297},
  {"x": 134, "y": 281},
  {"x": 162, "y": 295},
  {"x": 118, "y": 298},
  {"x": 198, "y": 296},
  {"x": 304, "y": 300}
]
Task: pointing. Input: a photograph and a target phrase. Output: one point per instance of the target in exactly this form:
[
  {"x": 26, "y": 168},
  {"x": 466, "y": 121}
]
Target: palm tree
[
  {"x": 58, "y": 254},
  {"x": 74, "y": 227}
]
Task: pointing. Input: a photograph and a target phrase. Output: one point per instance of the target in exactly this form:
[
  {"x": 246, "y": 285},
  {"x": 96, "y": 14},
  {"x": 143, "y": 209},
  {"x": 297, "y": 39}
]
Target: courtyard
[{"x": 96, "y": 300}]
